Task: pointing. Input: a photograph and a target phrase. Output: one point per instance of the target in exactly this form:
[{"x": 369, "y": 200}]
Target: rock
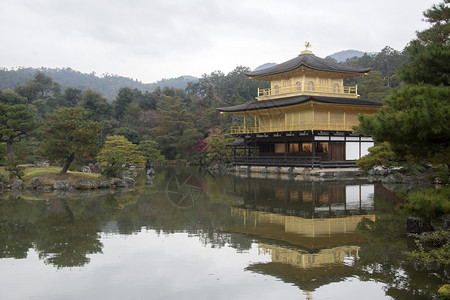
[
  {"x": 1, "y": 176},
  {"x": 86, "y": 169},
  {"x": 104, "y": 184},
  {"x": 306, "y": 172},
  {"x": 35, "y": 182},
  {"x": 126, "y": 182},
  {"x": 130, "y": 181},
  {"x": 418, "y": 225},
  {"x": 392, "y": 178},
  {"x": 442, "y": 222},
  {"x": 61, "y": 185},
  {"x": 2, "y": 186},
  {"x": 120, "y": 183},
  {"x": 17, "y": 184},
  {"x": 416, "y": 181},
  {"x": 380, "y": 170},
  {"x": 95, "y": 168},
  {"x": 273, "y": 170},
  {"x": 84, "y": 184},
  {"x": 151, "y": 171}
]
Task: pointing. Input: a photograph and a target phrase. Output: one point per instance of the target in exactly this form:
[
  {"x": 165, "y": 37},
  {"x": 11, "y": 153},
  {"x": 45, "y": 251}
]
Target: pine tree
[
  {"x": 416, "y": 118},
  {"x": 16, "y": 121},
  {"x": 172, "y": 121},
  {"x": 429, "y": 54},
  {"x": 117, "y": 149},
  {"x": 70, "y": 135}
]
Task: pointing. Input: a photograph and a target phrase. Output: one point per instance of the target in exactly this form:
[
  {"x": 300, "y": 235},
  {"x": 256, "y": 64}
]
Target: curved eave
[
  {"x": 308, "y": 61},
  {"x": 281, "y": 103},
  {"x": 267, "y": 75}
]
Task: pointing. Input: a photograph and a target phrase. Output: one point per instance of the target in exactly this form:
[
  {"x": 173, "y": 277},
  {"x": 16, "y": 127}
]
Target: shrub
[
  {"x": 378, "y": 155},
  {"x": 14, "y": 170}
]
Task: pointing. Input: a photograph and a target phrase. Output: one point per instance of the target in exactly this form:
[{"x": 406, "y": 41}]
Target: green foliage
[
  {"x": 444, "y": 292},
  {"x": 386, "y": 62},
  {"x": 96, "y": 104},
  {"x": 440, "y": 254},
  {"x": 72, "y": 96},
  {"x": 429, "y": 54},
  {"x": 149, "y": 150},
  {"x": 380, "y": 155},
  {"x": 428, "y": 204},
  {"x": 12, "y": 167},
  {"x": 10, "y": 97},
  {"x": 218, "y": 153},
  {"x": 443, "y": 174},
  {"x": 172, "y": 121},
  {"x": 70, "y": 134},
  {"x": 415, "y": 122},
  {"x": 16, "y": 121},
  {"x": 372, "y": 87},
  {"x": 116, "y": 145},
  {"x": 112, "y": 163}
]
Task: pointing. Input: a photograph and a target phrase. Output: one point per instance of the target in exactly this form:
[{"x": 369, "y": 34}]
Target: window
[
  {"x": 336, "y": 88},
  {"x": 277, "y": 90},
  {"x": 294, "y": 147},
  {"x": 310, "y": 86},
  {"x": 279, "y": 148},
  {"x": 322, "y": 147},
  {"x": 306, "y": 147},
  {"x": 298, "y": 86}
]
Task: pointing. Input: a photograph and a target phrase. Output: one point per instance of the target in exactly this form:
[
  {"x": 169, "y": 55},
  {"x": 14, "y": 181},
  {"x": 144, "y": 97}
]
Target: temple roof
[
  {"x": 310, "y": 61},
  {"x": 268, "y": 104}
]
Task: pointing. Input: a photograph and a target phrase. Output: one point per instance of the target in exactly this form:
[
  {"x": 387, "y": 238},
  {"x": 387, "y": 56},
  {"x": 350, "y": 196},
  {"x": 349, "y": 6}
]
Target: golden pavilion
[{"x": 305, "y": 118}]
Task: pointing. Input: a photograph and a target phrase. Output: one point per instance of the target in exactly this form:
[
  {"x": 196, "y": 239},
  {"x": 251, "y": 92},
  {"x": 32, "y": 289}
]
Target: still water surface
[{"x": 194, "y": 235}]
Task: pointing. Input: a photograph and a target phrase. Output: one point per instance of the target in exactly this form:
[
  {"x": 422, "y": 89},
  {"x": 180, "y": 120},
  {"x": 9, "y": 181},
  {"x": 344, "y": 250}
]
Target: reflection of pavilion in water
[
  {"x": 306, "y": 199},
  {"x": 308, "y": 229}
]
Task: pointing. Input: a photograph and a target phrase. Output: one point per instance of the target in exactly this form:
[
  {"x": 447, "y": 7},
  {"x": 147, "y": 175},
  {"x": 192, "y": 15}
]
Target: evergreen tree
[
  {"x": 416, "y": 118},
  {"x": 218, "y": 153},
  {"x": 372, "y": 87},
  {"x": 171, "y": 122},
  {"x": 429, "y": 54},
  {"x": 16, "y": 121},
  {"x": 127, "y": 152},
  {"x": 96, "y": 104},
  {"x": 149, "y": 150},
  {"x": 70, "y": 134}
]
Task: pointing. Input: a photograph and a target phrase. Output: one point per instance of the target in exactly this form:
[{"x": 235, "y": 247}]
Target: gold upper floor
[
  {"x": 307, "y": 82},
  {"x": 307, "y": 88},
  {"x": 307, "y": 116}
]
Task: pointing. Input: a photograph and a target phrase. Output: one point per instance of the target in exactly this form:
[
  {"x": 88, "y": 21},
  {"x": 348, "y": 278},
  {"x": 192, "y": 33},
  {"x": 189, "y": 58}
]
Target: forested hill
[
  {"x": 342, "y": 56},
  {"x": 108, "y": 84}
]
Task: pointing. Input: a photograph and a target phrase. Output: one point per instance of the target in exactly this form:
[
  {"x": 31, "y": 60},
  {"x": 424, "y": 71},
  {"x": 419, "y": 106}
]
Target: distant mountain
[
  {"x": 107, "y": 84},
  {"x": 178, "y": 83},
  {"x": 342, "y": 56},
  {"x": 264, "y": 66}
]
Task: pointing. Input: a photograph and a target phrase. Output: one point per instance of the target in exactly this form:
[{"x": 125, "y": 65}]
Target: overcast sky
[{"x": 153, "y": 39}]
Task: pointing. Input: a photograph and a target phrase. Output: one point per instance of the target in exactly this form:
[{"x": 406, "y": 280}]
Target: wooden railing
[
  {"x": 292, "y": 127},
  {"x": 301, "y": 88}
]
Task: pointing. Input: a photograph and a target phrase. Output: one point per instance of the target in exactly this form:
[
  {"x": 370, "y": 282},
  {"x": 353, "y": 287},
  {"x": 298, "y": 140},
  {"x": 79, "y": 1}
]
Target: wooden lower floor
[{"x": 300, "y": 149}]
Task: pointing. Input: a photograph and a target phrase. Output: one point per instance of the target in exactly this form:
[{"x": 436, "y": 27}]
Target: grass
[{"x": 48, "y": 176}]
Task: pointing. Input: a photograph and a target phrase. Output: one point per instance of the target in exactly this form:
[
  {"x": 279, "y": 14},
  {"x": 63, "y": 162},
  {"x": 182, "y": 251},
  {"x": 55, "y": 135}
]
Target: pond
[{"x": 190, "y": 234}]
